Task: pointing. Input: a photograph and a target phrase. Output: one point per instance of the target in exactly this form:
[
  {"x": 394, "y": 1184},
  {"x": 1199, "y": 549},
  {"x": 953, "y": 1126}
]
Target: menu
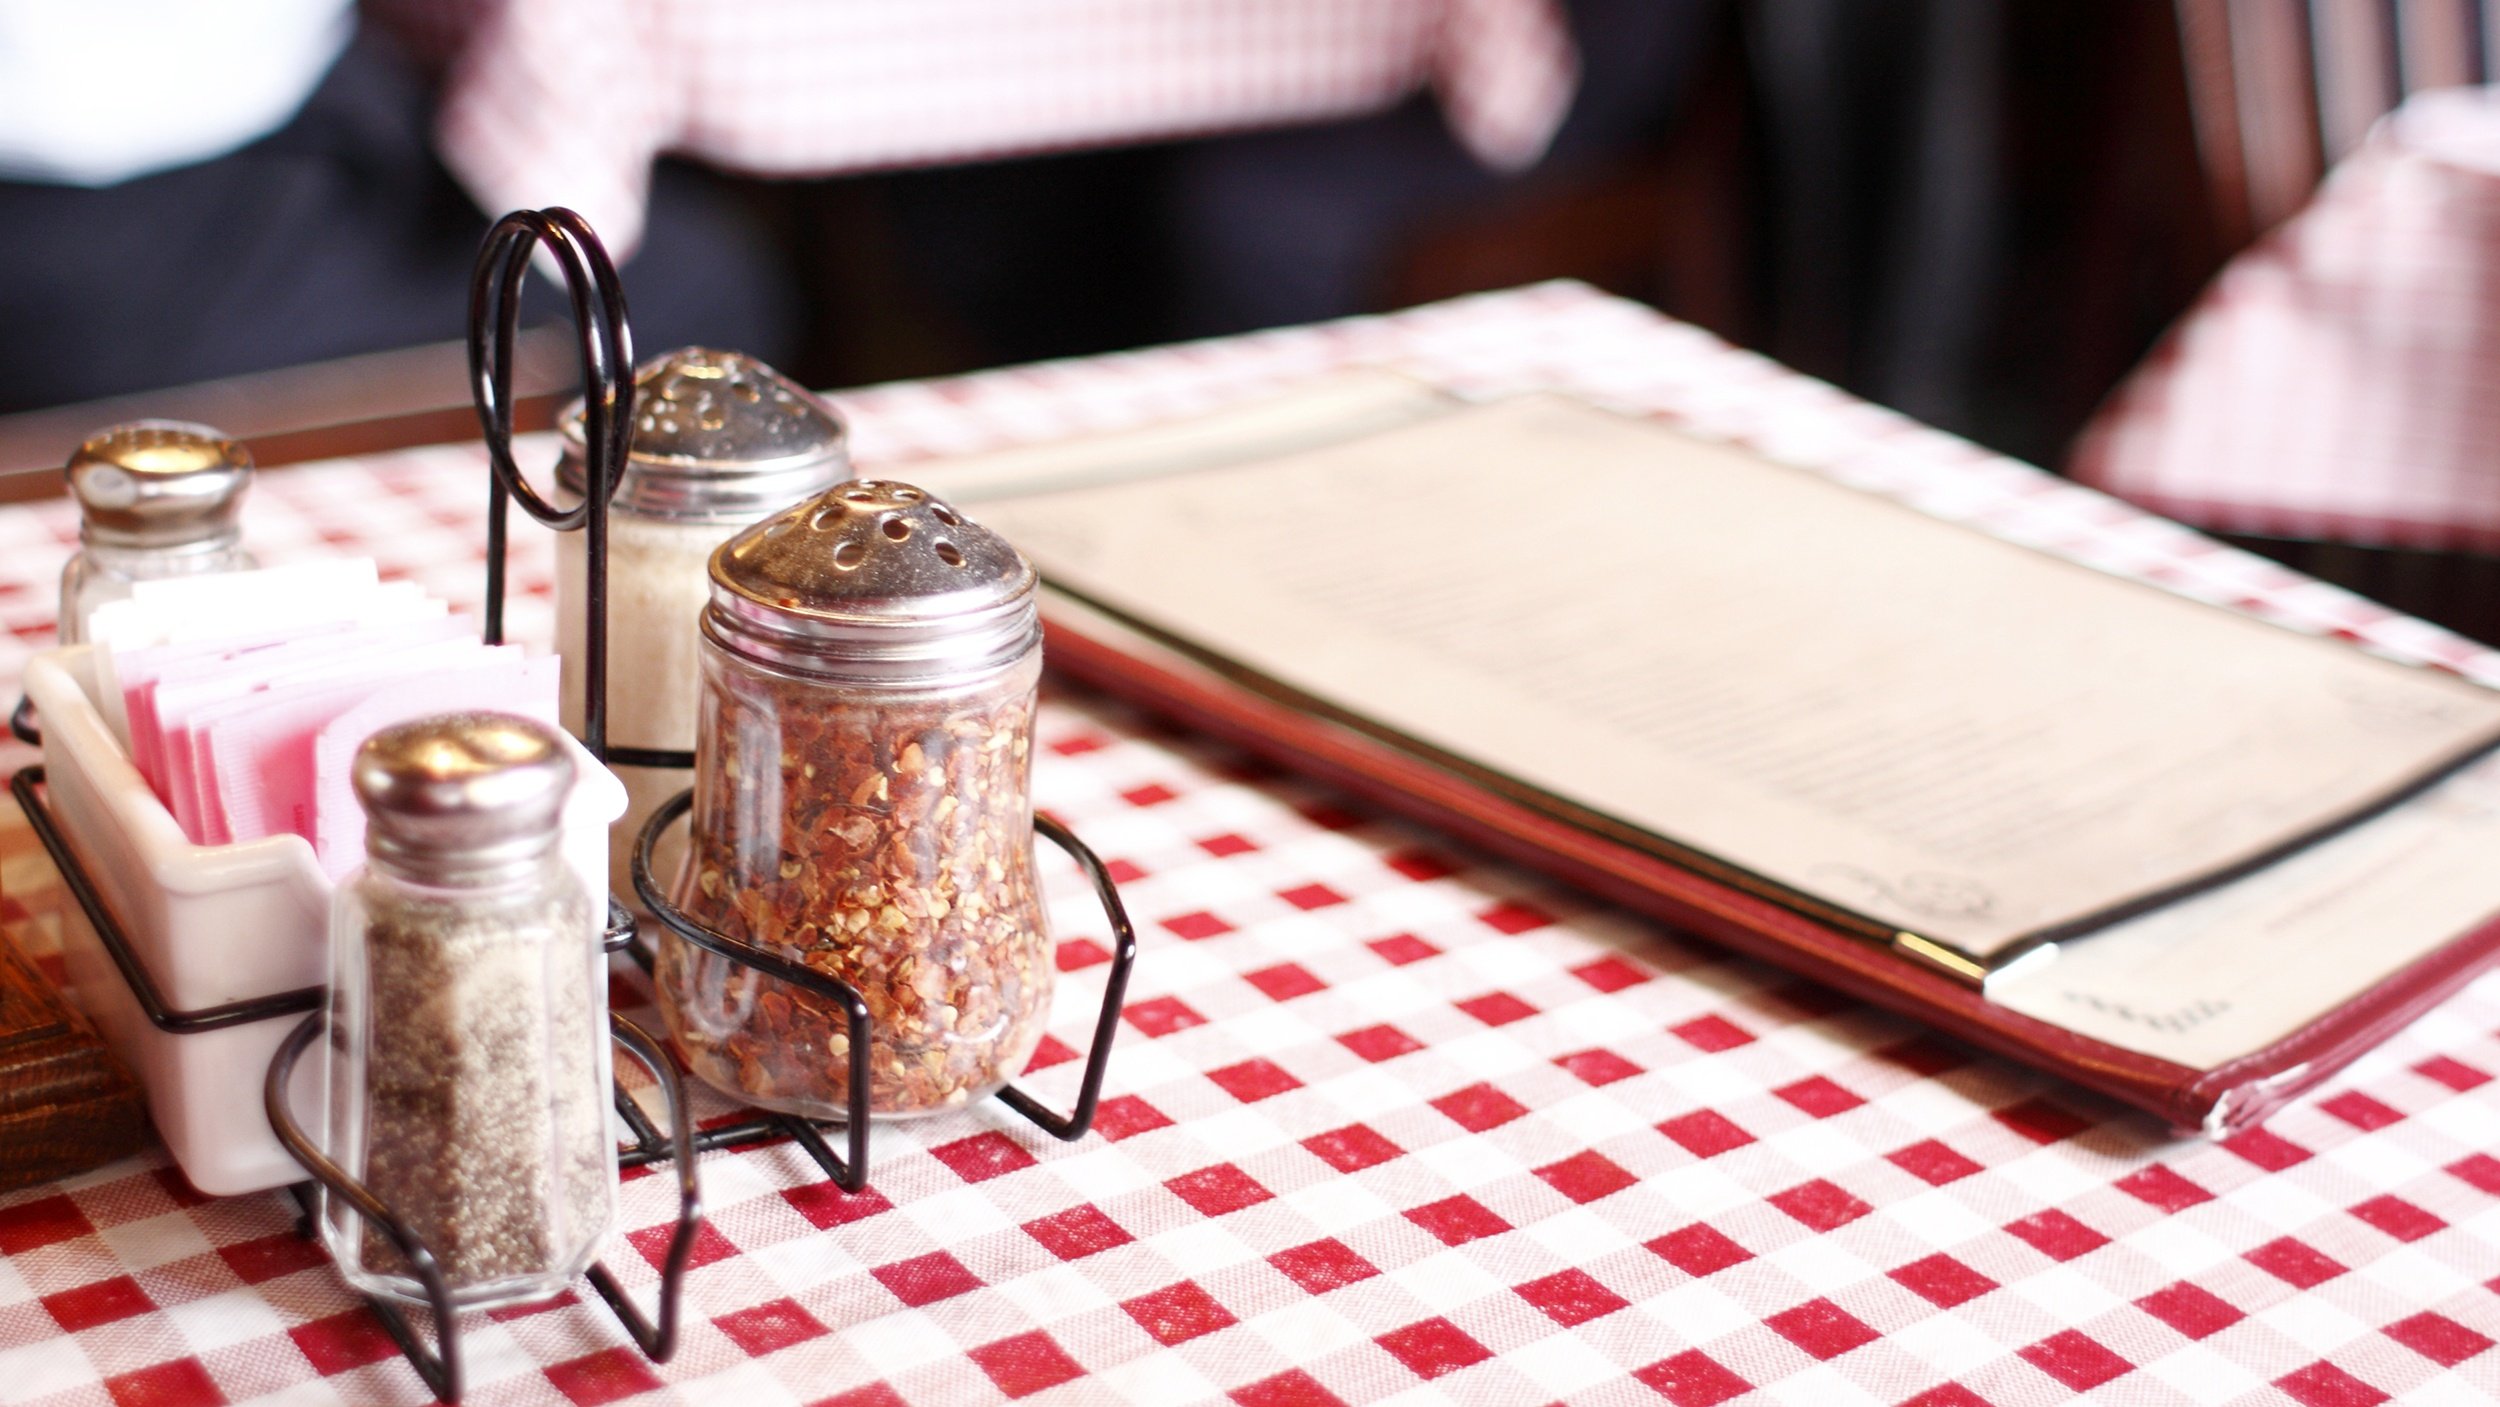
[{"x": 1887, "y": 720}]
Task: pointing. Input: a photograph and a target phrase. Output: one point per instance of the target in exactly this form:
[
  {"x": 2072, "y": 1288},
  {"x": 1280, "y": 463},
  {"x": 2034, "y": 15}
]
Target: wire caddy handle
[{"x": 605, "y": 343}]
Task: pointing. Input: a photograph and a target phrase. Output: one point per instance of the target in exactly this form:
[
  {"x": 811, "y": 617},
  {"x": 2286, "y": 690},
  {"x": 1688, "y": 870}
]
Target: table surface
[{"x": 1388, "y": 1121}]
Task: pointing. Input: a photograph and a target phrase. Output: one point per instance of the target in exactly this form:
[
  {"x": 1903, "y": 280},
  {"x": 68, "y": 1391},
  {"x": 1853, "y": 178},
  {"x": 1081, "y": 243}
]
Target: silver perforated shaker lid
[
  {"x": 874, "y": 582},
  {"x": 159, "y": 484},
  {"x": 719, "y": 437},
  {"x": 462, "y": 797}
]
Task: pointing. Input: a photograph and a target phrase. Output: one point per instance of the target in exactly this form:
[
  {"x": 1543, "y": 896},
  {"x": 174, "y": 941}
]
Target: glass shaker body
[
  {"x": 467, "y": 1078},
  {"x": 98, "y": 573},
  {"x": 156, "y": 498},
  {"x": 656, "y": 590},
  {"x": 878, "y": 830},
  {"x": 719, "y": 441},
  {"x": 883, "y": 837}
]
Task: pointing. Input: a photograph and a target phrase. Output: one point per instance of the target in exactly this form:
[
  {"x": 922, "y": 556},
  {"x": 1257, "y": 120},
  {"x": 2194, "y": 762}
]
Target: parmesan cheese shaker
[
  {"x": 156, "y": 498},
  {"x": 719, "y": 440},
  {"x": 862, "y": 807},
  {"x": 467, "y": 1067}
]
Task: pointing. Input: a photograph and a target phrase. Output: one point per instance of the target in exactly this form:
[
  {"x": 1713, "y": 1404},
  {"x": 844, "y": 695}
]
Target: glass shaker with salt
[
  {"x": 156, "y": 498},
  {"x": 467, "y": 1066},
  {"x": 719, "y": 440}
]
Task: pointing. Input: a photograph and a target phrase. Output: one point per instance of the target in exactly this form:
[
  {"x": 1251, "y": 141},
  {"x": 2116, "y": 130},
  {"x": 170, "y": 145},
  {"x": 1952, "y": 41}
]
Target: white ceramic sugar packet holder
[{"x": 212, "y": 925}]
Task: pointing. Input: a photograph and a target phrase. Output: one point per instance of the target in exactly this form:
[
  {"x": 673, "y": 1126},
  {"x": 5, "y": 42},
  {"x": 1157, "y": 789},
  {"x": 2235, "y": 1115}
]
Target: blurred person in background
[
  {"x": 195, "y": 191},
  {"x": 1976, "y": 211}
]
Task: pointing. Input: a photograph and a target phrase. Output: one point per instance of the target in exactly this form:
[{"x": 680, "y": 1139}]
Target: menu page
[
  {"x": 2233, "y": 970},
  {"x": 1852, "y": 703}
]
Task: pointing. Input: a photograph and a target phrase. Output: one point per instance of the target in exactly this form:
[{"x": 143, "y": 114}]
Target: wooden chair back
[{"x": 2283, "y": 88}]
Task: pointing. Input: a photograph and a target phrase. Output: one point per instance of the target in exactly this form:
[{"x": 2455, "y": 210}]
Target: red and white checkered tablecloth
[
  {"x": 2337, "y": 379},
  {"x": 1389, "y": 1122},
  {"x": 566, "y": 102}
]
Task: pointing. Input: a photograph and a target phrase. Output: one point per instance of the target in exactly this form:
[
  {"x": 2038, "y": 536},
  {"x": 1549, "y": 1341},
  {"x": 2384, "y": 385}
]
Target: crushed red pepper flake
[{"x": 880, "y": 838}]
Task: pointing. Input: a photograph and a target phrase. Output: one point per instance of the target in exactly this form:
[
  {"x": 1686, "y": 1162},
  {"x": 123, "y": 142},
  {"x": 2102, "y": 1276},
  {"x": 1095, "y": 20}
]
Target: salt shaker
[
  {"x": 467, "y": 1070},
  {"x": 862, "y": 806},
  {"x": 719, "y": 440},
  {"x": 156, "y": 498}
]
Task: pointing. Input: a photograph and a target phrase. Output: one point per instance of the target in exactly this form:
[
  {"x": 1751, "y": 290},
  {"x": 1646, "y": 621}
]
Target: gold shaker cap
[{"x": 159, "y": 484}]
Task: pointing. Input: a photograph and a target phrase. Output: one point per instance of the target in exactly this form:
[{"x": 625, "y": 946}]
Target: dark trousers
[{"x": 340, "y": 233}]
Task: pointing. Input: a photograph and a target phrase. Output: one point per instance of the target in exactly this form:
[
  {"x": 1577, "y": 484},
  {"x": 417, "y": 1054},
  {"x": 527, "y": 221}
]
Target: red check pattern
[
  {"x": 2330, "y": 384},
  {"x": 568, "y": 101},
  {"x": 1389, "y": 1121}
]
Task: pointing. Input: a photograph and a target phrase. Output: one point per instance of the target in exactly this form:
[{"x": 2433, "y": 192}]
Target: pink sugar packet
[
  {"x": 221, "y": 605},
  {"x": 139, "y": 670},
  {"x": 248, "y": 659},
  {"x": 338, "y": 822},
  {"x": 254, "y": 754},
  {"x": 184, "y": 709}
]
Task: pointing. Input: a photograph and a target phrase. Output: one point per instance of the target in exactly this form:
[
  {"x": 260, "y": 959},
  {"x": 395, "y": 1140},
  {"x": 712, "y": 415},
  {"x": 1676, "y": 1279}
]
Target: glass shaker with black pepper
[
  {"x": 156, "y": 498},
  {"x": 862, "y": 807},
  {"x": 467, "y": 1071},
  {"x": 719, "y": 440}
]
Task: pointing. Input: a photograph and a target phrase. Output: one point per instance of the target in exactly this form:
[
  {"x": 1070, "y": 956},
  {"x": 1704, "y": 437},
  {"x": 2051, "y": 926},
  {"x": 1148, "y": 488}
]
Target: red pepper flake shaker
[{"x": 862, "y": 805}]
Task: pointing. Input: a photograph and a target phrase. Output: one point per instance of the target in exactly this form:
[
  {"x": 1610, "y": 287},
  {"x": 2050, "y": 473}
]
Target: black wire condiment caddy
[{"x": 604, "y": 339}]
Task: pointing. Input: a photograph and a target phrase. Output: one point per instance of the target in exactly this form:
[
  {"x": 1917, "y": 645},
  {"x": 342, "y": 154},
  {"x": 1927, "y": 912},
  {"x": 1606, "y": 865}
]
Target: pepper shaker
[
  {"x": 719, "y": 440},
  {"x": 862, "y": 806},
  {"x": 156, "y": 498},
  {"x": 467, "y": 1067}
]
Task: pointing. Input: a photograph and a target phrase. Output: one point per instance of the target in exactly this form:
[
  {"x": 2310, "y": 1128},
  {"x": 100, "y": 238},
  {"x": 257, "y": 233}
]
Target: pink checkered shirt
[{"x": 566, "y": 102}]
